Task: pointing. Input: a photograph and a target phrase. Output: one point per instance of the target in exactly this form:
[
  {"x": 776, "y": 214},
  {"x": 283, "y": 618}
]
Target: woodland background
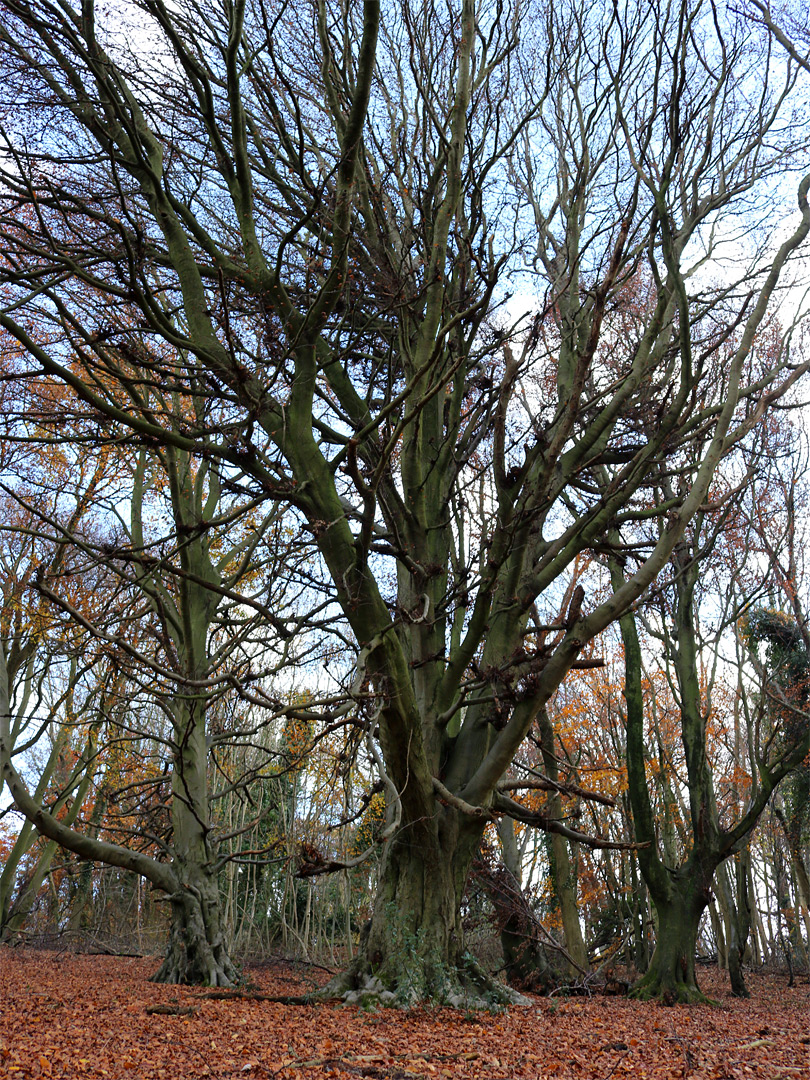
[{"x": 403, "y": 491}]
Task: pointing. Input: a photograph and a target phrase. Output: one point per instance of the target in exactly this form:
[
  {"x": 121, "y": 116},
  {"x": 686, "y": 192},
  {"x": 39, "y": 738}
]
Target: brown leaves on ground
[{"x": 94, "y": 1017}]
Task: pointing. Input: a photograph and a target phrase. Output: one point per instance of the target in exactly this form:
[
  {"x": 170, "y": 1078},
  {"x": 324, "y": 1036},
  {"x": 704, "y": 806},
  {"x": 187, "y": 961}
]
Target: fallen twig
[
  {"x": 253, "y": 995},
  {"x": 171, "y": 1010}
]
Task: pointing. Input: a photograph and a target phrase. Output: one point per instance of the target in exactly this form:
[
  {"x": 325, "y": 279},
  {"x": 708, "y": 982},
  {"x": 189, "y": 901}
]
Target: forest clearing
[{"x": 73, "y": 1016}]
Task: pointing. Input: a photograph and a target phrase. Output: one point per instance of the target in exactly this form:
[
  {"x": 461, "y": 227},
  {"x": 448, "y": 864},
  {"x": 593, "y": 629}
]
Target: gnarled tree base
[
  {"x": 670, "y": 977},
  {"x": 191, "y": 958},
  {"x": 411, "y": 981},
  {"x": 670, "y": 992},
  {"x": 196, "y": 965},
  {"x": 412, "y": 949}
]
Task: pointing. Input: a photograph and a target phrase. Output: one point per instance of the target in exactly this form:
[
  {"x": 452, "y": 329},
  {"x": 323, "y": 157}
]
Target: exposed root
[
  {"x": 255, "y": 995},
  {"x": 465, "y": 987},
  {"x": 196, "y": 967},
  {"x": 678, "y": 993},
  {"x": 171, "y": 1010}
]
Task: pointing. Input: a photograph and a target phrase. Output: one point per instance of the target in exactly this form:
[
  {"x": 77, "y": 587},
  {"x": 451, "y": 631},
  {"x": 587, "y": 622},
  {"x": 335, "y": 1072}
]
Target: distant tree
[
  {"x": 52, "y": 716},
  {"x": 680, "y": 875},
  {"x": 175, "y": 572}
]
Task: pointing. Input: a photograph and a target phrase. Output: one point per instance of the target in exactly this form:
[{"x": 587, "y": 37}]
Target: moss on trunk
[
  {"x": 671, "y": 976},
  {"x": 413, "y": 948}
]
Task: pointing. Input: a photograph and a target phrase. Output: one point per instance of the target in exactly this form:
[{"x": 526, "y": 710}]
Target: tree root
[
  {"x": 678, "y": 994},
  {"x": 378, "y": 1065},
  {"x": 171, "y": 1010},
  {"x": 465, "y": 987},
  {"x": 197, "y": 967},
  {"x": 255, "y": 995}
]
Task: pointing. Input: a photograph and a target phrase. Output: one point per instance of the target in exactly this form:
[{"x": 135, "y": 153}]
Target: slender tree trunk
[
  {"x": 640, "y": 912},
  {"x": 759, "y": 937},
  {"x": 735, "y": 969},
  {"x": 802, "y": 889},
  {"x": 719, "y": 937},
  {"x": 84, "y": 890},
  {"x": 80, "y": 901},
  {"x": 680, "y": 895},
  {"x": 197, "y": 952},
  {"x": 14, "y": 913},
  {"x": 737, "y": 912},
  {"x": 563, "y": 860}
]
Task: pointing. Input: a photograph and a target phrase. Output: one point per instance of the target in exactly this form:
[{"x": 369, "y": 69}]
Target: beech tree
[
  {"x": 314, "y": 214},
  {"x": 712, "y": 589},
  {"x": 159, "y": 593}
]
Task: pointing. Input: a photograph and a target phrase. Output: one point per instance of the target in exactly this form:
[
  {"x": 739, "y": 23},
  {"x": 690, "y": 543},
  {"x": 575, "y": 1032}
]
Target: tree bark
[
  {"x": 196, "y": 954},
  {"x": 671, "y": 975},
  {"x": 412, "y": 949}
]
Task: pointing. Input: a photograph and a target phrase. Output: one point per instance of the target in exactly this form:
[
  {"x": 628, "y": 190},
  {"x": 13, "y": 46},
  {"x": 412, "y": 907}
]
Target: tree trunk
[
  {"x": 802, "y": 889},
  {"x": 719, "y": 937},
  {"x": 13, "y": 915},
  {"x": 639, "y": 911},
  {"x": 680, "y": 895},
  {"x": 671, "y": 975},
  {"x": 735, "y": 969},
  {"x": 412, "y": 949},
  {"x": 196, "y": 953},
  {"x": 562, "y": 858},
  {"x": 737, "y": 912}
]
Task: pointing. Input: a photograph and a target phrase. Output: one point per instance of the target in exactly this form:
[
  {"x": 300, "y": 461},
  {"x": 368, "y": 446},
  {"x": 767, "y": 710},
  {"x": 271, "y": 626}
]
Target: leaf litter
[{"x": 83, "y": 1017}]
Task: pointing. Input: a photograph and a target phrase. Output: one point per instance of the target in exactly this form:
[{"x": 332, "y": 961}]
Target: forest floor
[{"x": 87, "y": 1017}]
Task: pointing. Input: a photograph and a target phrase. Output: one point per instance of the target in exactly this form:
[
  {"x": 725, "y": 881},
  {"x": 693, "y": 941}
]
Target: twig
[
  {"x": 616, "y": 1064},
  {"x": 171, "y": 1010},
  {"x": 251, "y": 995}
]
